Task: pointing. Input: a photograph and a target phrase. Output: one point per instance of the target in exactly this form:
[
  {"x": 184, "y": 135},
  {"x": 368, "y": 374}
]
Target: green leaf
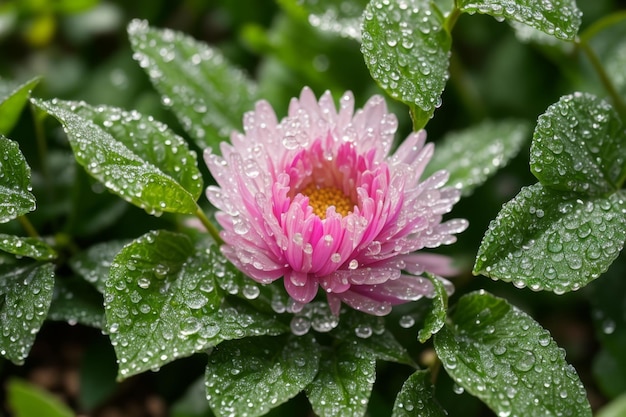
[
  {"x": 162, "y": 302},
  {"x": 253, "y": 375},
  {"x": 76, "y": 301},
  {"x": 559, "y": 18},
  {"x": 13, "y": 98},
  {"x": 206, "y": 93},
  {"x": 14, "y": 182},
  {"x": 28, "y": 400},
  {"x": 370, "y": 337},
  {"x": 579, "y": 144},
  {"x": 436, "y": 317},
  {"x": 134, "y": 156},
  {"x": 344, "y": 382},
  {"x": 406, "y": 49},
  {"x": 27, "y": 246},
  {"x": 94, "y": 264},
  {"x": 416, "y": 398},
  {"x": 553, "y": 240},
  {"x": 493, "y": 144},
  {"x": 616, "y": 408},
  {"x": 25, "y": 296},
  {"x": 330, "y": 16},
  {"x": 502, "y": 356}
]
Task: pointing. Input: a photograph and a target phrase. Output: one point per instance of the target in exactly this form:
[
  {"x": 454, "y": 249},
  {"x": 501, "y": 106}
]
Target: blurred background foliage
[{"x": 81, "y": 51}]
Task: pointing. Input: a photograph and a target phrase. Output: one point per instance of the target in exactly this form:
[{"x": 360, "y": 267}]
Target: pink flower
[{"x": 317, "y": 200}]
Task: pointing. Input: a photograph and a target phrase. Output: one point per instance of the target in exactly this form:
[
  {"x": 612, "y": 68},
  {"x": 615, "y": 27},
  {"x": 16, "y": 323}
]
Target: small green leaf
[
  {"x": 76, "y": 301},
  {"x": 134, "y": 156},
  {"x": 370, "y": 337},
  {"x": 25, "y": 296},
  {"x": 14, "y": 182},
  {"x": 207, "y": 94},
  {"x": 493, "y": 144},
  {"x": 253, "y": 375},
  {"x": 13, "y": 98},
  {"x": 344, "y": 382},
  {"x": 330, "y": 16},
  {"x": 502, "y": 356},
  {"x": 27, "y": 246},
  {"x": 406, "y": 49},
  {"x": 559, "y": 18},
  {"x": 28, "y": 400},
  {"x": 553, "y": 240},
  {"x": 162, "y": 302},
  {"x": 416, "y": 398},
  {"x": 94, "y": 264},
  {"x": 436, "y": 317},
  {"x": 579, "y": 144}
]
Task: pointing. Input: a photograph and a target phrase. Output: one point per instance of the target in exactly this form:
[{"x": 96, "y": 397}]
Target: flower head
[{"x": 316, "y": 199}]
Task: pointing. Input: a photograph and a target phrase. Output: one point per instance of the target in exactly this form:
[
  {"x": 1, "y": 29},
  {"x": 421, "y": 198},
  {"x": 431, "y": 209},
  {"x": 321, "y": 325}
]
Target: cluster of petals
[{"x": 368, "y": 256}]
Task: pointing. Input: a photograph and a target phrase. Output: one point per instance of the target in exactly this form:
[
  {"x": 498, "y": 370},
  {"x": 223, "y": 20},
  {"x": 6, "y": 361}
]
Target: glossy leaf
[
  {"x": 162, "y": 302},
  {"x": 14, "y": 182},
  {"x": 501, "y": 355},
  {"x": 436, "y": 317},
  {"x": 13, "y": 98},
  {"x": 28, "y": 247},
  {"x": 25, "y": 296},
  {"x": 579, "y": 144},
  {"x": 206, "y": 93},
  {"x": 134, "y": 156},
  {"x": 76, "y": 301},
  {"x": 559, "y": 18},
  {"x": 416, "y": 398},
  {"x": 94, "y": 264},
  {"x": 406, "y": 50},
  {"x": 253, "y": 375},
  {"x": 370, "y": 337},
  {"x": 28, "y": 400},
  {"x": 493, "y": 144},
  {"x": 558, "y": 241},
  {"x": 343, "y": 18},
  {"x": 344, "y": 382}
]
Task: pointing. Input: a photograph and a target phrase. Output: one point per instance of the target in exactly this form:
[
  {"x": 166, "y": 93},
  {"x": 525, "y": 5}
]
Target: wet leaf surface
[{"x": 501, "y": 355}]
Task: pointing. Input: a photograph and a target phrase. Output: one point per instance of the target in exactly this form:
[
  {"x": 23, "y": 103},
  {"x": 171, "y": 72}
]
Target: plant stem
[
  {"x": 215, "y": 234},
  {"x": 28, "y": 226},
  {"x": 618, "y": 103}
]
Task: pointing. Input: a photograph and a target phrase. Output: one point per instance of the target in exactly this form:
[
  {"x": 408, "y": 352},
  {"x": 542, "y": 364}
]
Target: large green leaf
[
  {"x": 28, "y": 400},
  {"x": 27, "y": 246},
  {"x": 559, "y": 18},
  {"x": 343, "y": 18},
  {"x": 14, "y": 182},
  {"x": 206, "y": 93},
  {"x": 253, "y": 375},
  {"x": 344, "y": 382},
  {"x": 416, "y": 398},
  {"x": 13, "y": 98},
  {"x": 579, "y": 144},
  {"x": 162, "y": 302},
  {"x": 553, "y": 240},
  {"x": 133, "y": 155},
  {"x": 25, "y": 296},
  {"x": 406, "y": 49},
  {"x": 502, "y": 356},
  {"x": 493, "y": 144}
]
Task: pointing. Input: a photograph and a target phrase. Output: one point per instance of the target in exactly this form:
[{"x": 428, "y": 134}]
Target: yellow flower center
[{"x": 320, "y": 198}]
